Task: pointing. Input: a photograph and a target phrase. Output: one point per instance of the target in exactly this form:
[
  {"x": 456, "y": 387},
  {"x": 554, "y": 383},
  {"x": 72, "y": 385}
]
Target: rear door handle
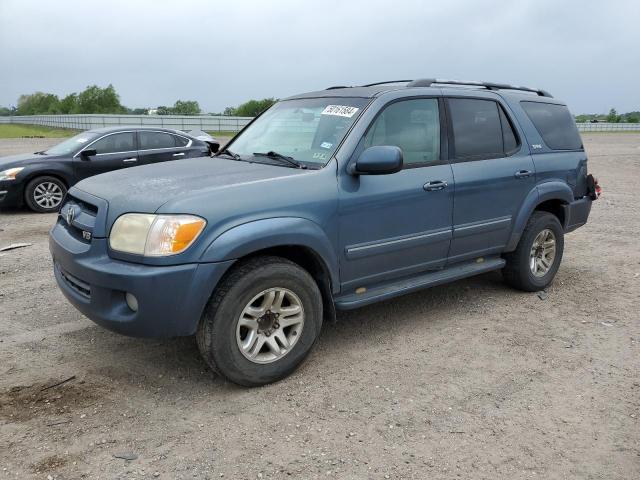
[
  {"x": 130, "y": 160},
  {"x": 435, "y": 185},
  {"x": 523, "y": 173},
  {"x": 178, "y": 154}
]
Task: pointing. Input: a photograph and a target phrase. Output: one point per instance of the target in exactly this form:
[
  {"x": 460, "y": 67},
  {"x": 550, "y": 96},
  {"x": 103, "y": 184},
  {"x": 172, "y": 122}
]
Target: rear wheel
[
  {"x": 261, "y": 322},
  {"x": 534, "y": 263},
  {"x": 45, "y": 194}
]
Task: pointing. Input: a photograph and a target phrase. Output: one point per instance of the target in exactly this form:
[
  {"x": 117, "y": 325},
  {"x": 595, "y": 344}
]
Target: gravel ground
[{"x": 467, "y": 380}]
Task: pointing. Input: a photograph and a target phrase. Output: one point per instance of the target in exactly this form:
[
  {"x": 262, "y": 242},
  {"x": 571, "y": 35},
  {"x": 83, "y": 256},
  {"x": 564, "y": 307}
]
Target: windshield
[
  {"x": 72, "y": 145},
  {"x": 308, "y": 130}
]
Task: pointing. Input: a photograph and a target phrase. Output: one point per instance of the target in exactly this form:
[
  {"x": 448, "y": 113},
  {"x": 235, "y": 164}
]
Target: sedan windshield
[
  {"x": 72, "y": 145},
  {"x": 306, "y": 130}
]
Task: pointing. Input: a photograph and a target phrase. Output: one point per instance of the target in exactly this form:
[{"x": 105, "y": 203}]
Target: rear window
[{"x": 555, "y": 125}]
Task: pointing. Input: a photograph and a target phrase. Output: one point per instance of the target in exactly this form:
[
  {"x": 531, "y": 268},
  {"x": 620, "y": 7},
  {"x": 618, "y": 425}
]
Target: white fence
[
  {"x": 178, "y": 122},
  {"x": 608, "y": 127},
  {"x": 206, "y": 122}
]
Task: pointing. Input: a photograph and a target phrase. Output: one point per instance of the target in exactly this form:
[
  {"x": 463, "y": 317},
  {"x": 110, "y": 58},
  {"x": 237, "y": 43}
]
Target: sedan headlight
[
  {"x": 11, "y": 173},
  {"x": 155, "y": 235}
]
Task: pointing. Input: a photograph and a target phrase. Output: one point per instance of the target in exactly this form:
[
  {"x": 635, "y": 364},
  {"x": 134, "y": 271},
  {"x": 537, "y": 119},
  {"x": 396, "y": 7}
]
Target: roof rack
[{"x": 427, "y": 82}]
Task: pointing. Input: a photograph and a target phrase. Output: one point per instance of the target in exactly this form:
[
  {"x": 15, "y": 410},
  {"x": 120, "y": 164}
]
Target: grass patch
[
  {"x": 223, "y": 133},
  {"x": 13, "y": 130}
]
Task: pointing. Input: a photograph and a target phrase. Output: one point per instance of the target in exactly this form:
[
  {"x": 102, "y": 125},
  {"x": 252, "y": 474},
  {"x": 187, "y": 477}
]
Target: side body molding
[
  {"x": 553, "y": 190},
  {"x": 274, "y": 232}
]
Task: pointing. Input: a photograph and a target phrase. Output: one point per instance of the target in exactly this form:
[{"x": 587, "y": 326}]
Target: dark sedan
[{"x": 41, "y": 179}]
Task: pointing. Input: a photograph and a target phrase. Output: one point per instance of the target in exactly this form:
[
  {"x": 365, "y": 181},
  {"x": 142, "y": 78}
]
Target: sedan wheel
[{"x": 45, "y": 194}]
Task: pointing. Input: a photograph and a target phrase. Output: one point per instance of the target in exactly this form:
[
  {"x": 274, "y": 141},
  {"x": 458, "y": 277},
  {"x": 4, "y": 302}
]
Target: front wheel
[
  {"x": 261, "y": 322},
  {"x": 535, "y": 262},
  {"x": 45, "y": 194}
]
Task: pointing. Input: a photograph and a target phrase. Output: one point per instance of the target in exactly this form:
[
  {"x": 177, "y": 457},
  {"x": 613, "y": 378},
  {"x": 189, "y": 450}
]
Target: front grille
[
  {"x": 79, "y": 218},
  {"x": 74, "y": 283}
]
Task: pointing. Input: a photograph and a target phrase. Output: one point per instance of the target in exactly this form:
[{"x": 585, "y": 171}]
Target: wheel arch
[
  {"x": 296, "y": 239},
  {"x": 553, "y": 197}
]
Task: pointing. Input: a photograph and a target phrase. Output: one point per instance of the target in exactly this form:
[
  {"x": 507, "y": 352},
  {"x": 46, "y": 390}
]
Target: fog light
[{"x": 132, "y": 302}]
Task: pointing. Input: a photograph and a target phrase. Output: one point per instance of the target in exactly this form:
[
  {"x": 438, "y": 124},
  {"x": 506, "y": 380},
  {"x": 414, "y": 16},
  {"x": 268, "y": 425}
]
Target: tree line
[
  {"x": 95, "y": 99},
  {"x": 612, "y": 117}
]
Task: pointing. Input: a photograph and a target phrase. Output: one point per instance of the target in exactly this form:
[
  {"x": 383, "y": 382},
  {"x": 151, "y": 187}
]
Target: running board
[{"x": 426, "y": 280}]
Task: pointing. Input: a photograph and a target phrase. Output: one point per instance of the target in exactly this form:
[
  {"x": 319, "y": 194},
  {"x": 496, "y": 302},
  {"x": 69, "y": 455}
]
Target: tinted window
[
  {"x": 118, "y": 142},
  {"x": 412, "y": 125},
  {"x": 180, "y": 141},
  {"x": 508, "y": 135},
  {"x": 555, "y": 125},
  {"x": 149, "y": 140},
  {"x": 477, "y": 130}
]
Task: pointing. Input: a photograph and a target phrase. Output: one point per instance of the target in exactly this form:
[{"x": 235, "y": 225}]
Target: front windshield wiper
[
  {"x": 42, "y": 152},
  {"x": 278, "y": 156},
  {"x": 226, "y": 151}
]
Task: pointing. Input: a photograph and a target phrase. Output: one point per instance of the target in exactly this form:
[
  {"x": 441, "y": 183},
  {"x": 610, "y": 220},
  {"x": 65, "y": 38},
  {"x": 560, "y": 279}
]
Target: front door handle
[
  {"x": 523, "y": 173},
  {"x": 435, "y": 185},
  {"x": 178, "y": 154},
  {"x": 130, "y": 160}
]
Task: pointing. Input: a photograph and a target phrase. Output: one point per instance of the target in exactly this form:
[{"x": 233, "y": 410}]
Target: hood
[
  {"x": 146, "y": 188},
  {"x": 21, "y": 160}
]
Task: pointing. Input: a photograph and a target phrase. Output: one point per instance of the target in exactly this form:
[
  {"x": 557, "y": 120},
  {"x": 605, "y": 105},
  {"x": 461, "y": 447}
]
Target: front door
[
  {"x": 493, "y": 176},
  {"x": 113, "y": 151},
  {"x": 398, "y": 224}
]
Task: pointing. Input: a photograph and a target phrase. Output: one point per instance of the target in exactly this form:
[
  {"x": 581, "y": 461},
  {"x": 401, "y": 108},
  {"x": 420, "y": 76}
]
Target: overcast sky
[{"x": 223, "y": 53}]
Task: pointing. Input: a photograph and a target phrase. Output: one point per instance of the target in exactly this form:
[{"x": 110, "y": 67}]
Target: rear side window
[
  {"x": 151, "y": 140},
  {"x": 180, "y": 141},
  {"x": 555, "y": 125},
  {"x": 477, "y": 130}
]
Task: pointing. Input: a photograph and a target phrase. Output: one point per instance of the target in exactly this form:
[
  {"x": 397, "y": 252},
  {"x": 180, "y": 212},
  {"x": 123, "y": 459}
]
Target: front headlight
[
  {"x": 155, "y": 235},
  {"x": 11, "y": 173}
]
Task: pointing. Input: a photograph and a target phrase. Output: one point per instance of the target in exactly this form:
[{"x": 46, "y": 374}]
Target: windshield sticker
[
  {"x": 340, "y": 110},
  {"x": 82, "y": 140},
  {"x": 326, "y": 145},
  {"x": 319, "y": 156}
]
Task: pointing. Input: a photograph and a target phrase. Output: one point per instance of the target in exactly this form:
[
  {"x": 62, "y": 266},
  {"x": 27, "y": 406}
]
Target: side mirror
[
  {"x": 380, "y": 160},
  {"x": 213, "y": 147},
  {"x": 85, "y": 154}
]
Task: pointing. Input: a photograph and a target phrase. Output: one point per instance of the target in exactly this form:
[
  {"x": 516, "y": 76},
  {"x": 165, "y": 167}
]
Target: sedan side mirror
[
  {"x": 85, "y": 154},
  {"x": 379, "y": 160},
  {"x": 213, "y": 147}
]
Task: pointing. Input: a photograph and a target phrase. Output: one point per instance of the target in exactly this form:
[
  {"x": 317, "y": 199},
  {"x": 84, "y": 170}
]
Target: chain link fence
[
  {"x": 207, "y": 122},
  {"x": 177, "y": 122}
]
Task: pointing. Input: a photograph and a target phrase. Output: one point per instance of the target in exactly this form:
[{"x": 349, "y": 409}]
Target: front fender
[
  {"x": 258, "y": 235},
  {"x": 553, "y": 190}
]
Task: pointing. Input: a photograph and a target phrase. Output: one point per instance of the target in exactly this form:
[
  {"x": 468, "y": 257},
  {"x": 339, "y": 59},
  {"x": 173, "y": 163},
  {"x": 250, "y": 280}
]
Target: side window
[
  {"x": 118, "y": 142},
  {"x": 412, "y": 125},
  {"x": 555, "y": 125},
  {"x": 151, "y": 140},
  {"x": 180, "y": 141},
  {"x": 477, "y": 131}
]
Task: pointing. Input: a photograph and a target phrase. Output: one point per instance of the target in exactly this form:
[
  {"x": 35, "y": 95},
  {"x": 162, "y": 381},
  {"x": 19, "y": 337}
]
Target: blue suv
[{"x": 328, "y": 200}]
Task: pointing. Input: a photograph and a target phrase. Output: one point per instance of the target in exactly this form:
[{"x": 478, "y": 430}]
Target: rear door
[
  {"x": 493, "y": 175},
  {"x": 113, "y": 151},
  {"x": 156, "y": 146}
]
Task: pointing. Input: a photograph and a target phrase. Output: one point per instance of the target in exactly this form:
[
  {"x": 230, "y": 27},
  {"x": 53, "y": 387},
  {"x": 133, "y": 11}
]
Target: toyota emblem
[{"x": 71, "y": 213}]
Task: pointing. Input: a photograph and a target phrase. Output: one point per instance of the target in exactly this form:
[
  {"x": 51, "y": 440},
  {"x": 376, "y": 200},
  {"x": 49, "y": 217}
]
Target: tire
[
  {"x": 518, "y": 271},
  {"x": 220, "y": 333},
  {"x": 45, "y": 194}
]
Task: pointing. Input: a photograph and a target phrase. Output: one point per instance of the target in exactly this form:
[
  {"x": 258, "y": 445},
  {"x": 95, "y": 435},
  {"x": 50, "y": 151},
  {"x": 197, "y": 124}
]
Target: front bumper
[
  {"x": 11, "y": 193},
  {"x": 576, "y": 213},
  {"x": 170, "y": 298}
]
